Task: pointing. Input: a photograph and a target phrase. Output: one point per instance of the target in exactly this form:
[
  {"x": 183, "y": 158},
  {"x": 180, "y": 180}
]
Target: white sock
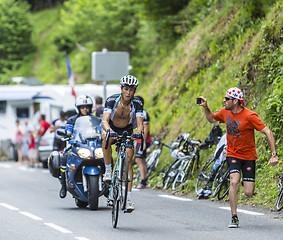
[
  {"x": 129, "y": 195},
  {"x": 108, "y": 167}
]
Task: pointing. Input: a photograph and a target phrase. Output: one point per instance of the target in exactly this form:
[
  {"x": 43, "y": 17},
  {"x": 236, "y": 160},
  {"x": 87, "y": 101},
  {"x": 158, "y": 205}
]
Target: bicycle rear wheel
[
  {"x": 151, "y": 168},
  {"x": 124, "y": 180},
  {"x": 183, "y": 175},
  {"x": 205, "y": 176},
  {"x": 171, "y": 174},
  {"x": 224, "y": 187},
  {"x": 223, "y": 168},
  {"x": 279, "y": 201},
  {"x": 116, "y": 201}
]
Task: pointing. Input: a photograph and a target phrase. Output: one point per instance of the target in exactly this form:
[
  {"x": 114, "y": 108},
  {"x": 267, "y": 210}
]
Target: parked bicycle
[
  {"x": 153, "y": 158},
  {"x": 120, "y": 177},
  {"x": 279, "y": 201},
  {"x": 204, "y": 183},
  {"x": 186, "y": 161}
]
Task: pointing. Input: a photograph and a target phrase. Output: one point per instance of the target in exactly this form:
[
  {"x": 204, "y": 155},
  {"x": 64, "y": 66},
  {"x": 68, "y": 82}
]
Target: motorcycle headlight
[
  {"x": 98, "y": 153},
  {"x": 84, "y": 153}
]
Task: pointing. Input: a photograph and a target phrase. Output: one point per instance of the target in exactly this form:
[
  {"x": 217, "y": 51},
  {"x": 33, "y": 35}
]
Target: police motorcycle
[{"x": 85, "y": 164}]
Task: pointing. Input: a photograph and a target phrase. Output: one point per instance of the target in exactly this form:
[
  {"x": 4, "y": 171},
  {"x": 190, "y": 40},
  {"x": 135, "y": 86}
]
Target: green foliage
[{"x": 15, "y": 35}]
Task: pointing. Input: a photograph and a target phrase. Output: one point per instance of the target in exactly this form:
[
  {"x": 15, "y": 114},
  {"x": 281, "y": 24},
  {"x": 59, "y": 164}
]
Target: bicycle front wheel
[
  {"x": 205, "y": 176},
  {"x": 115, "y": 201},
  {"x": 183, "y": 175},
  {"x": 171, "y": 174},
  {"x": 279, "y": 201},
  {"x": 124, "y": 180},
  {"x": 224, "y": 187},
  {"x": 223, "y": 168}
]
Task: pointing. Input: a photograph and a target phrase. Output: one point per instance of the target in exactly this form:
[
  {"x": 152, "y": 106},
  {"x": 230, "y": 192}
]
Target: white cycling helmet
[
  {"x": 129, "y": 80},
  {"x": 82, "y": 101}
]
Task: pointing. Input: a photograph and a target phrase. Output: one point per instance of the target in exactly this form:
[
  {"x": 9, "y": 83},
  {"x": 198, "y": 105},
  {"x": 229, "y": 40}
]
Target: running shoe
[
  {"x": 234, "y": 222},
  {"x": 141, "y": 186}
]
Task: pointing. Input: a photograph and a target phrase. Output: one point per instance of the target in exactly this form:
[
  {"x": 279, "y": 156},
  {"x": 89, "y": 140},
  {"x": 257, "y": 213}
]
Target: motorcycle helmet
[
  {"x": 129, "y": 80},
  {"x": 82, "y": 101}
]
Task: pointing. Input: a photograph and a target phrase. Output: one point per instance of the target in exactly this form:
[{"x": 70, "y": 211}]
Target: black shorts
[
  {"x": 58, "y": 144},
  {"x": 128, "y": 129},
  {"x": 139, "y": 153},
  {"x": 247, "y": 167}
]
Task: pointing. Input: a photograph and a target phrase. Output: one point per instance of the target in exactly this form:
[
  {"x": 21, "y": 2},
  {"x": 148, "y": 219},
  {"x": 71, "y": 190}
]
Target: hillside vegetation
[{"x": 200, "y": 47}]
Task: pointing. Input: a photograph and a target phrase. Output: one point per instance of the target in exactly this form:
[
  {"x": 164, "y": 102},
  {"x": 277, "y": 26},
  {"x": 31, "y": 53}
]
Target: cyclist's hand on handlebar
[
  {"x": 136, "y": 135},
  {"x": 113, "y": 134}
]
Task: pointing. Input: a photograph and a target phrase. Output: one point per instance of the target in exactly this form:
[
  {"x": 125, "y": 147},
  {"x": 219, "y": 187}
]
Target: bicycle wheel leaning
[
  {"x": 115, "y": 200},
  {"x": 205, "y": 176},
  {"x": 124, "y": 179},
  {"x": 171, "y": 174},
  {"x": 279, "y": 201},
  {"x": 220, "y": 176},
  {"x": 224, "y": 187},
  {"x": 183, "y": 175}
]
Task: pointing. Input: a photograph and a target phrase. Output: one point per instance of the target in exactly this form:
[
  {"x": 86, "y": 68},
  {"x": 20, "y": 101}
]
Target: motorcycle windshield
[{"x": 87, "y": 127}]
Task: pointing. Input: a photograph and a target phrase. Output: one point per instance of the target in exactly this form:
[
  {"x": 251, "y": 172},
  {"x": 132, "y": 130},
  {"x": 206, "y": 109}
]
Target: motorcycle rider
[{"x": 83, "y": 104}]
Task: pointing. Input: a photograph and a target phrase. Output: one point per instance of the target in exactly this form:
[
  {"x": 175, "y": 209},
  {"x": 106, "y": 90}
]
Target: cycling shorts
[
  {"x": 128, "y": 129},
  {"x": 247, "y": 167},
  {"x": 139, "y": 153}
]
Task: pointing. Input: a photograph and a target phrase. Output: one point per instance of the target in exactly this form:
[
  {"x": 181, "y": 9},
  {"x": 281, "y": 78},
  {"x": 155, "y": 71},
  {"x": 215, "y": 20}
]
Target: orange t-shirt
[{"x": 240, "y": 132}]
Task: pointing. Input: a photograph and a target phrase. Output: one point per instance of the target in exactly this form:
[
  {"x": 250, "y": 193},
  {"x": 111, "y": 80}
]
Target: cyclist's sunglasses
[
  {"x": 130, "y": 86},
  {"x": 84, "y": 106},
  {"x": 227, "y": 99}
]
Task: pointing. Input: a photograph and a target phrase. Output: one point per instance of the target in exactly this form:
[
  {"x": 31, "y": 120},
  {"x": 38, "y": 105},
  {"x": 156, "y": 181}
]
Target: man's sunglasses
[
  {"x": 227, "y": 99},
  {"x": 85, "y": 106}
]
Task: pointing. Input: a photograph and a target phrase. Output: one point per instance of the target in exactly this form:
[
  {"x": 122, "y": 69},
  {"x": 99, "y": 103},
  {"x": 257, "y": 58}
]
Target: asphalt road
[{"x": 30, "y": 208}]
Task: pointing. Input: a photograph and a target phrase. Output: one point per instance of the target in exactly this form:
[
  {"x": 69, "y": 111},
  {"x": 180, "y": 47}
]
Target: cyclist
[
  {"x": 141, "y": 155},
  {"x": 83, "y": 104},
  {"x": 122, "y": 112},
  {"x": 241, "y": 153}
]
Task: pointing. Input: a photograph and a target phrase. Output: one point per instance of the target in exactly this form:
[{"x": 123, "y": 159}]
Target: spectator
[
  {"x": 44, "y": 125},
  {"x": 57, "y": 123},
  {"x": 26, "y": 129},
  {"x": 32, "y": 152},
  {"x": 98, "y": 107},
  {"x": 19, "y": 141}
]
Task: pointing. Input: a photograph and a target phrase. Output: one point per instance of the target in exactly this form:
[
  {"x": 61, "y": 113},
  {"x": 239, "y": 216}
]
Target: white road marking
[
  {"x": 58, "y": 228},
  {"x": 81, "y": 238},
  {"x": 31, "y": 216},
  {"x": 244, "y": 211},
  {"x": 5, "y": 165},
  {"x": 9, "y": 206},
  {"x": 176, "y": 198}
]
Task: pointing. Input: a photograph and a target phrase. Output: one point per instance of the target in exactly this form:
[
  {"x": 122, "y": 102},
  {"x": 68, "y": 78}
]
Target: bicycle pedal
[
  {"x": 109, "y": 203},
  {"x": 128, "y": 210}
]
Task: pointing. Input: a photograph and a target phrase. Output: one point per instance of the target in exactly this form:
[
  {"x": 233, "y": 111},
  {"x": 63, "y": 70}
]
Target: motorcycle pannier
[{"x": 54, "y": 162}]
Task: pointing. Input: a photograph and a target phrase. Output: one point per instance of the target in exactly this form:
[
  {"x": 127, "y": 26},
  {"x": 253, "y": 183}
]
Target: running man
[{"x": 241, "y": 153}]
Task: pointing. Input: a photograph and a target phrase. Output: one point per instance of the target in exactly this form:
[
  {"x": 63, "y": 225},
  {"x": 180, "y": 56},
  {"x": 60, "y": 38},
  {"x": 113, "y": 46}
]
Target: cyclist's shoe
[
  {"x": 107, "y": 176},
  {"x": 207, "y": 193},
  {"x": 130, "y": 206},
  {"x": 109, "y": 203},
  {"x": 234, "y": 222},
  {"x": 200, "y": 194},
  {"x": 63, "y": 192},
  {"x": 141, "y": 186}
]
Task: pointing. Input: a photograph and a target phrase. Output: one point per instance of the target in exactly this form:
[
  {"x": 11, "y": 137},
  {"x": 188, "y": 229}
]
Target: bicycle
[
  {"x": 120, "y": 178},
  {"x": 279, "y": 202},
  {"x": 186, "y": 161},
  {"x": 153, "y": 158}
]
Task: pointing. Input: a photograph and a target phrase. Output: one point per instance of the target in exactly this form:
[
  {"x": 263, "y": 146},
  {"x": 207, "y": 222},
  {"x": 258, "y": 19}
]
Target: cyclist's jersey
[
  {"x": 146, "y": 120},
  {"x": 240, "y": 132},
  {"x": 111, "y": 105}
]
